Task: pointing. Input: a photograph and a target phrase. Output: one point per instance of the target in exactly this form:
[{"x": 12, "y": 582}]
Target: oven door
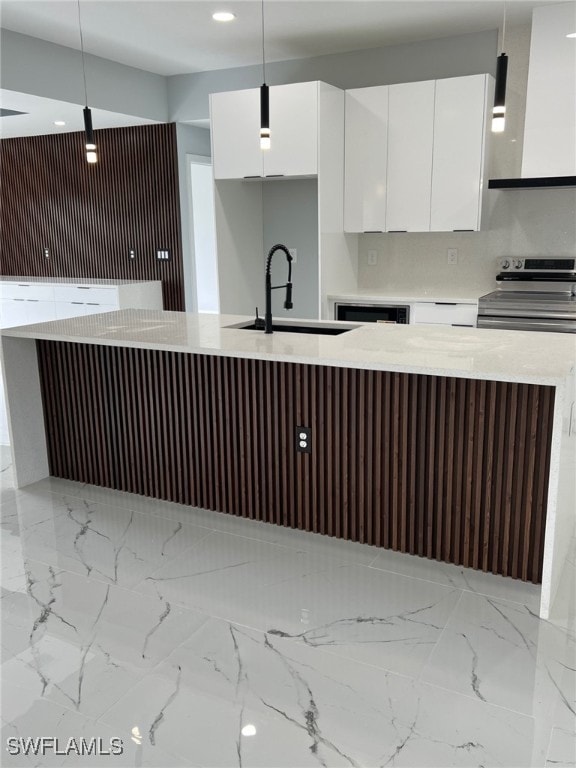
[{"x": 527, "y": 324}]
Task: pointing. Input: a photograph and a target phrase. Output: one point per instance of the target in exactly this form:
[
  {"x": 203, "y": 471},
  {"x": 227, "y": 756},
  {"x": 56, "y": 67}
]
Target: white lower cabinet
[
  {"x": 24, "y": 303},
  {"x": 444, "y": 313}
]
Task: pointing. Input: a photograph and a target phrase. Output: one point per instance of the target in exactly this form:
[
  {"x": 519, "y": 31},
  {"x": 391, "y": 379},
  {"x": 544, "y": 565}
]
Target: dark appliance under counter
[{"x": 372, "y": 313}]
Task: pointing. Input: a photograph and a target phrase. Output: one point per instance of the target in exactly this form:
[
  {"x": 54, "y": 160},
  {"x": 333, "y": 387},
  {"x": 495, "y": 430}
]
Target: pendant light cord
[
  {"x": 503, "y": 25},
  {"x": 82, "y": 51},
  {"x": 263, "y": 56}
]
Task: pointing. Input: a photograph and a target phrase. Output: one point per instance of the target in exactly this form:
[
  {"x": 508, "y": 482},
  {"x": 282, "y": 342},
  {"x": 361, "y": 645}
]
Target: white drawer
[
  {"x": 66, "y": 309},
  {"x": 86, "y": 293},
  {"x": 92, "y": 309},
  {"x": 430, "y": 312},
  {"x": 37, "y": 291}
]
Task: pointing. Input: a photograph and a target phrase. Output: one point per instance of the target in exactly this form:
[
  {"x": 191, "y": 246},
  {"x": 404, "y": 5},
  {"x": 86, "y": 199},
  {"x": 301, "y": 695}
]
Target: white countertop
[
  {"x": 518, "y": 356},
  {"x": 458, "y": 295},
  {"x": 26, "y": 279}
]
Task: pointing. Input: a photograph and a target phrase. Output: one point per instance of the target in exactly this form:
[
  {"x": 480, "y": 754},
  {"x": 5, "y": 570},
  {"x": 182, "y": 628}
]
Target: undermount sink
[{"x": 317, "y": 330}]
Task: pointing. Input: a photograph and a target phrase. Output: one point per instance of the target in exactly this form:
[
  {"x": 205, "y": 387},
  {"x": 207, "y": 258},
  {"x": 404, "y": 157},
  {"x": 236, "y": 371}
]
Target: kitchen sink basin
[{"x": 317, "y": 330}]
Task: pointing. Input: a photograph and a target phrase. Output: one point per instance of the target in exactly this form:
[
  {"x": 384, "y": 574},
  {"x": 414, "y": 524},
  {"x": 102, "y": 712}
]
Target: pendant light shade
[
  {"x": 499, "y": 110},
  {"x": 91, "y": 155},
  {"x": 264, "y": 99},
  {"x": 90, "y": 143},
  {"x": 264, "y": 117}
]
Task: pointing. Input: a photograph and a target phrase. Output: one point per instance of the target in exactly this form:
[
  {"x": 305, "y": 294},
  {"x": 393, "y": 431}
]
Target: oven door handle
[{"x": 526, "y": 324}]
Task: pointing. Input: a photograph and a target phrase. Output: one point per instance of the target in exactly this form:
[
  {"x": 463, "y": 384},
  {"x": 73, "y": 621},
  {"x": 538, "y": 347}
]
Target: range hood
[
  {"x": 536, "y": 182},
  {"x": 549, "y": 141}
]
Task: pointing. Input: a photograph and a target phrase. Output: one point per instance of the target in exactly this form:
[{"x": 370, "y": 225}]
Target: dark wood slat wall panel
[
  {"x": 89, "y": 216},
  {"x": 451, "y": 469}
]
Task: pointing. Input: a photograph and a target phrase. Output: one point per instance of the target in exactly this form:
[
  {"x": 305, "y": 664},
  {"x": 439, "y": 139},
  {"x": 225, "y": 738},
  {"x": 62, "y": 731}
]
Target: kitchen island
[{"x": 449, "y": 443}]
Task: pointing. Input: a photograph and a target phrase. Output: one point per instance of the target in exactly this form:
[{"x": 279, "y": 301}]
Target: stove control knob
[
  {"x": 517, "y": 264},
  {"x": 505, "y": 264}
]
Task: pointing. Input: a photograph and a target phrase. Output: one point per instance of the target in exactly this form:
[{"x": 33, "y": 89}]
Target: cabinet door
[
  {"x": 410, "y": 135},
  {"x": 458, "y": 157},
  {"x": 65, "y": 309},
  {"x": 293, "y": 130},
  {"x": 235, "y": 129},
  {"x": 13, "y": 312},
  {"x": 39, "y": 311},
  {"x": 444, "y": 313},
  {"x": 366, "y": 142}
]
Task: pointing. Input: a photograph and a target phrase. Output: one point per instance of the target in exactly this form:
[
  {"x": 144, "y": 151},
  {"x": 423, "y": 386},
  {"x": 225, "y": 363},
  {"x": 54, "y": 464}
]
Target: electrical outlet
[
  {"x": 452, "y": 255},
  {"x": 303, "y": 439},
  {"x": 46, "y": 252},
  {"x": 372, "y": 258},
  {"x": 294, "y": 254},
  {"x": 131, "y": 254},
  {"x": 163, "y": 254}
]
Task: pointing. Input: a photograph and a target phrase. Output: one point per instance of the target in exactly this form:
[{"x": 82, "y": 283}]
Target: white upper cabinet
[
  {"x": 366, "y": 124},
  {"x": 293, "y": 131},
  {"x": 235, "y": 131},
  {"x": 417, "y": 162},
  {"x": 458, "y": 156},
  {"x": 235, "y": 127},
  {"x": 410, "y": 138}
]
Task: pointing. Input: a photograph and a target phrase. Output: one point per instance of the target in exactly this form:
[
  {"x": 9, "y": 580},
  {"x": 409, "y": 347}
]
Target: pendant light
[
  {"x": 264, "y": 99},
  {"x": 91, "y": 154},
  {"x": 499, "y": 109}
]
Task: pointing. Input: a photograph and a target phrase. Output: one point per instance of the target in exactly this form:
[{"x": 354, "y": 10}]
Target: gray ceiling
[{"x": 172, "y": 37}]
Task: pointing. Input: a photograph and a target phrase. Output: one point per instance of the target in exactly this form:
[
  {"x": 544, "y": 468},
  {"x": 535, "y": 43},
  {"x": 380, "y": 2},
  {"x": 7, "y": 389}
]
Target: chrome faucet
[{"x": 269, "y": 287}]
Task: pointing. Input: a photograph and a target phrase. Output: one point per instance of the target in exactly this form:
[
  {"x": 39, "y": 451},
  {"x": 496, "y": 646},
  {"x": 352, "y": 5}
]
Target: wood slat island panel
[{"x": 447, "y": 468}]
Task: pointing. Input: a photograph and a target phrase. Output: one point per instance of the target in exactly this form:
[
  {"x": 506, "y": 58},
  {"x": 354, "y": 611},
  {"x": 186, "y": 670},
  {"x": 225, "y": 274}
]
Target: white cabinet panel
[
  {"x": 66, "y": 309},
  {"x": 235, "y": 131},
  {"x": 40, "y": 311},
  {"x": 458, "y": 157},
  {"x": 235, "y": 125},
  {"x": 293, "y": 131},
  {"x": 13, "y": 312},
  {"x": 410, "y": 138},
  {"x": 40, "y": 291},
  {"x": 444, "y": 313},
  {"x": 86, "y": 293},
  {"x": 94, "y": 309},
  {"x": 365, "y": 159}
]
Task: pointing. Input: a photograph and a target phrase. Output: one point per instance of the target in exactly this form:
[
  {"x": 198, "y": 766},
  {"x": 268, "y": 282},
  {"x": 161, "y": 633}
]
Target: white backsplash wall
[
  {"x": 518, "y": 223},
  {"x": 521, "y": 223}
]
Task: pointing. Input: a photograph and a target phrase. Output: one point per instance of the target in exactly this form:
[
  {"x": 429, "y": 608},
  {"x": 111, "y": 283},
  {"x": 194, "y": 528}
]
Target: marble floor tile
[
  {"x": 232, "y": 696},
  {"x": 87, "y": 642},
  {"x": 44, "y": 718},
  {"x": 502, "y": 653},
  {"x": 217, "y": 521},
  {"x": 458, "y": 577},
  {"x": 380, "y": 618},
  {"x": 562, "y": 749},
  {"x": 103, "y": 541}
]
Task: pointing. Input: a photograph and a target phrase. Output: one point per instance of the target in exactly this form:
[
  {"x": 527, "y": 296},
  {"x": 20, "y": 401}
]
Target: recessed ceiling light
[
  {"x": 223, "y": 16},
  {"x": 59, "y": 122},
  {"x": 249, "y": 730},
  {"x": 572, "y": 34}
]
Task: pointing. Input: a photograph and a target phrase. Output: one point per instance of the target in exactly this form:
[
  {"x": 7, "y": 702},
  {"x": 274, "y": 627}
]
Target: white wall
[
  {"x": 429, "y": 59},
  {"x": 30, "y": 65}
]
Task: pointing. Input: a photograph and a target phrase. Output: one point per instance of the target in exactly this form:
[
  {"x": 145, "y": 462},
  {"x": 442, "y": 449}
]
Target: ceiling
[
  {"x": 172, "y": 37},
  {"x": 39, "y": 114}
]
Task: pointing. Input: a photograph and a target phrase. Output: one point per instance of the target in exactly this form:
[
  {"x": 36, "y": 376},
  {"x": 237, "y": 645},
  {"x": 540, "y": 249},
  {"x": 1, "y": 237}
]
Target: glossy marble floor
[{"x": 204, "y": 640}]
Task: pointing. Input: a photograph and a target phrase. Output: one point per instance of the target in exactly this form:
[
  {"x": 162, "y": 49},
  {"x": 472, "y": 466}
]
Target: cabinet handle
[
  {"x": 83, "y": 287},
  {"x": 390, "y": 231},
  {"x": 463, "y": 230},
  {"x": 446, "y": 303},
  {"x": 373, "y": 231},
  {"x": 23, "y": 285},
  {"x": 274, "y": 175},
  {"x": 462, "y": 325},
  {"x": 76, "y": 302},
  {"x": 252, "y": 177},
  {"x": 32, "y": 299},
  {"x": 19, "y": 299}
]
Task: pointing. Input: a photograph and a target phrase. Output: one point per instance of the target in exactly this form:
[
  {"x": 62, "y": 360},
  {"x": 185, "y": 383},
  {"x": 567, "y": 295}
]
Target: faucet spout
[{"x": 269, "y": 287}]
